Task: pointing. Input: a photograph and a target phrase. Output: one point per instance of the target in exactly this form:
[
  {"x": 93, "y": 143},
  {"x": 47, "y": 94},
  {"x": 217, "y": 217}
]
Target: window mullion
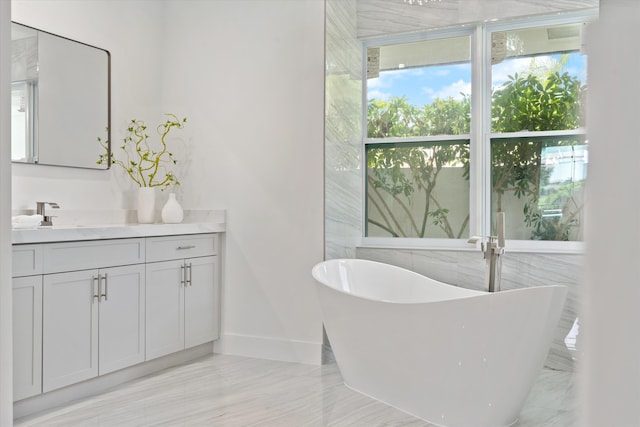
[
  {"x": 485, "y": 61},
  {"x": 480, "y": 167}
]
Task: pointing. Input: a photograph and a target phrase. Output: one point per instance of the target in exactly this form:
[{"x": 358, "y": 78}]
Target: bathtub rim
[{"x": 471, "y": 293}]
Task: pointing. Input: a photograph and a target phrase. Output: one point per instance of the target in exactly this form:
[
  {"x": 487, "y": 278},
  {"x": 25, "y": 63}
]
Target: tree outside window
[{"x": 418, "y": 156}]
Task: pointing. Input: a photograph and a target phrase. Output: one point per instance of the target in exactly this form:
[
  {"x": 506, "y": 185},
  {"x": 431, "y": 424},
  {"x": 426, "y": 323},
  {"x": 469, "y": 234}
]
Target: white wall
[
  {"x": 6, "y": 377},
  {"x": 249, "y": 76},
  {"x": 132, "y": 31},
  {"x": 611, "y": 371}
]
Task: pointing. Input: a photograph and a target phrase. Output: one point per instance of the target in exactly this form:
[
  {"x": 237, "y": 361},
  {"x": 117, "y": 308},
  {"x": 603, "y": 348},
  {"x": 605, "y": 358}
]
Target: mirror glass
[{"x": 59, "y": 99}]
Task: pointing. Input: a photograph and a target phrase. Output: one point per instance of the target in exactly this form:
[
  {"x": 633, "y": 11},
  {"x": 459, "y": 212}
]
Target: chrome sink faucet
[
  {"x": 46, "y": 219},
  {"x": 492, "y": 250}
]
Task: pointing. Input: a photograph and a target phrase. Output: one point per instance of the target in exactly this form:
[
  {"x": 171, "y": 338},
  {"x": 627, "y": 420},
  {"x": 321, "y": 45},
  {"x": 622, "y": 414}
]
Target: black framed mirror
[{"x": 60, "y": 99}]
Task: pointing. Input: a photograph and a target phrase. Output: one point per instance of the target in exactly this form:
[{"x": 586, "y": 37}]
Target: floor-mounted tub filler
[{"x": 450, "y": 356}]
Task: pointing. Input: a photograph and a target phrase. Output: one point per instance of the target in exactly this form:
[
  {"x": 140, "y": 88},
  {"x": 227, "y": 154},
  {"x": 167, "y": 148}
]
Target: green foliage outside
[{"x": 399, "y": 172}]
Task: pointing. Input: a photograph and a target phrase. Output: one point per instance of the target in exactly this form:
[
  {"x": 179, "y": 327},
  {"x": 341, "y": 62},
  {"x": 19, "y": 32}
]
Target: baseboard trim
[
  {"x": 269, "y": 348},
  {"x": 94, "y": 386}
]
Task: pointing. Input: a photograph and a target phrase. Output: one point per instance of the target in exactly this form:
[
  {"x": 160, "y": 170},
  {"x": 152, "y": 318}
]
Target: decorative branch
[{"x": 146, "y": 167}]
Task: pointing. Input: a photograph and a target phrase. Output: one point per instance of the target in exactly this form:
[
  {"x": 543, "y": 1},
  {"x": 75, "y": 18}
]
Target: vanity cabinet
[
  {"x": 93, "y": 319},
  {"x": 85, "y": 308},
  {"x": 182, "y": 293}
]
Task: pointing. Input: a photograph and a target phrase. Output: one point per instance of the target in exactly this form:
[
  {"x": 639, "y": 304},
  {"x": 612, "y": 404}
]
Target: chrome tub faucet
[{"x": 492, "y": 250}]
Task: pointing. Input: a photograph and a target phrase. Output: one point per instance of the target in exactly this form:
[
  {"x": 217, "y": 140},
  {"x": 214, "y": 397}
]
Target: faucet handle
[
  {"x": 40, "y": 210},
  {"x": 484, "y": 244},
  {"x": 47, "y": 220}
]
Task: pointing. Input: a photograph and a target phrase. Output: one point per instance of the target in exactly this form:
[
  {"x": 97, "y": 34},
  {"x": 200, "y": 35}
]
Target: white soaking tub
[{"x": 451, "y": 356}]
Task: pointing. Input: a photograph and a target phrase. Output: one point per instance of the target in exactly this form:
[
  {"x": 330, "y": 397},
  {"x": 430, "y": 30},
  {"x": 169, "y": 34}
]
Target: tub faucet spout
[
  {"x": 492, "y": 254},
  {"x": 492, "y": 250}
]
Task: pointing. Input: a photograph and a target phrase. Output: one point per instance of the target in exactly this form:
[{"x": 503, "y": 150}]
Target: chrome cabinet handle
[
  {"x": 189, "y": 276},
  {"x": 181, "y": 248},
  {"x": 182, "y": 275},
  {"x": 95, "y": 279},
  {"x": 106, "y": 283}
]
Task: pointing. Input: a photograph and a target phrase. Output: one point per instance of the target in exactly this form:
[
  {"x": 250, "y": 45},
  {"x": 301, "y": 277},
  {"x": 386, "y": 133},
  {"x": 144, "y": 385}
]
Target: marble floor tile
[{"x": 223, "y": 390}]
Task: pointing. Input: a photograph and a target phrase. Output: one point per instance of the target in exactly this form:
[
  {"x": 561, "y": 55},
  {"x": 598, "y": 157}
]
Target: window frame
[{"x": 480, "y": 135}]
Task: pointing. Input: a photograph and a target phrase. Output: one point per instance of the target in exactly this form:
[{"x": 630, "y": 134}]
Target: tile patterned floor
[{"x": 223, "y": 390}]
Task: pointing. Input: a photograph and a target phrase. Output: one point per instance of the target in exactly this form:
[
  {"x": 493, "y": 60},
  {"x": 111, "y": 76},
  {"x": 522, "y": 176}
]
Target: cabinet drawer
[
  {"x": 183, "y": 246},
  {"x": 27, "y": 260},
  {"x": 70, "y": 256}
]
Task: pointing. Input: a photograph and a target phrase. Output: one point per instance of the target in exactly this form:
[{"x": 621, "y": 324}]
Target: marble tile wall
[
  {"x": 381, "y": 17},
  {"x": 343, "y": 138},
  {"x": 519, "y": 270},
  {"x": 347, "y": 22}
]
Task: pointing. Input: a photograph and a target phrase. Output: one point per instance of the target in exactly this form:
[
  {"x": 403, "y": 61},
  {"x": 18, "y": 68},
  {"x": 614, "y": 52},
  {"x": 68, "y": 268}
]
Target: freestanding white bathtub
[{"x": 448, "y": 355}]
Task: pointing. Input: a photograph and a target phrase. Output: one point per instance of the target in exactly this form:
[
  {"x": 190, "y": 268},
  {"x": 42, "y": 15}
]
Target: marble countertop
[{"x": 63, "y": 233}]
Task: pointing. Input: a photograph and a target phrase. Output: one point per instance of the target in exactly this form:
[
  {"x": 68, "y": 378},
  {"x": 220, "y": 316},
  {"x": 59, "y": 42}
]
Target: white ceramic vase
[
  {"x": 146, "y": 205},
  {"x": 172, "y": 212}
]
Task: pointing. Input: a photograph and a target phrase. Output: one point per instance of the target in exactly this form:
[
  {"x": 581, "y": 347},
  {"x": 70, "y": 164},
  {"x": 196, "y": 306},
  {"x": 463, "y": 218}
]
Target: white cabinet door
[
  {"x": 93, "y": 323},
  {"x": 182, "y": 300},
  {"x": 165, "y": 308},
  {"x": 121, "y": 317},
  {"x": 27, "y": 337},
  {"x": 201, "y": 301},
  {"x": 70, "y": 328}
]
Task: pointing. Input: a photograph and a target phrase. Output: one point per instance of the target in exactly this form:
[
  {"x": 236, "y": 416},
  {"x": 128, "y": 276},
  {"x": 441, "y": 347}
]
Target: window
[
  {"x": 453, "y": 138},
  {"x": 418, "y": 175},
  {"x": 538, "y": 147}
]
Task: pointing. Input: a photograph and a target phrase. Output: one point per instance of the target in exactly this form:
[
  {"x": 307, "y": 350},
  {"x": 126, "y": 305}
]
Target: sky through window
[{"x": 421, "y": 85}]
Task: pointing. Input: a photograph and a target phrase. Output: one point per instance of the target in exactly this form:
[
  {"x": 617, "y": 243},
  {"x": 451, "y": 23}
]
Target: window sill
[{"x": 461, "y": 245}]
